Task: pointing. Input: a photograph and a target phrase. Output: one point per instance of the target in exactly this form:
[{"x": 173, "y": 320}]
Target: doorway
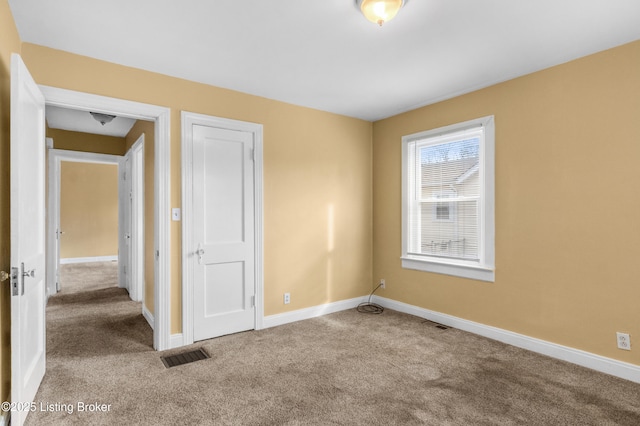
[
  {"x": 160, "y": 251},
  {"x": 82, "y": 229}
]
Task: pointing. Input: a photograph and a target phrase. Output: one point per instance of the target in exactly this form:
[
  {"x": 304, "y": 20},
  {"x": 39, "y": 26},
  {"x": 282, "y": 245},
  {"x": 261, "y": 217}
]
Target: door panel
[
  {"x": 224, "y": 275},
  {"x": 224, "y": 288},
  {"x": 27, "y": 237},
  {"x": 224, "y": 180}
]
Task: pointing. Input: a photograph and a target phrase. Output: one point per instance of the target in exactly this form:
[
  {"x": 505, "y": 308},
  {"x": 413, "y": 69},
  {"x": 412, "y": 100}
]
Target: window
[{"x": 448, "y": 200}]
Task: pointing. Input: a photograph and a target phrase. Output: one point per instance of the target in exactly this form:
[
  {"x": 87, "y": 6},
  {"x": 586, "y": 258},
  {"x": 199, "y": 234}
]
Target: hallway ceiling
[
  {"x": 324, "y": 54},
  {"x": 81, "y": 121}
]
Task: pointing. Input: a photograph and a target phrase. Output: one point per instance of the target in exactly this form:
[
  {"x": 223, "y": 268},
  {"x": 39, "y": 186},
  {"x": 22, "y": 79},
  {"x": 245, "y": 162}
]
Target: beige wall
[
  {"x": 88, "y": 196},
  {"x": 9, "y": 43},
  {"x": 88, "y": 209},
  {"x": 567, "y": 205},
  {"x": 147, "y": 128},
  {"x": 85, "y": 142},
  {"x": 314, "y": 163}
]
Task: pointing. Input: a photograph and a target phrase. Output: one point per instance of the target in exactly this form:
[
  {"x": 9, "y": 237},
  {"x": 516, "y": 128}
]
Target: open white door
[
  {"x": 53, "y": 232},
  {"x": 131, "y": 257},
  {"x": 124, "y": 224},
  {"x": 27, "y": 238},
  {"x": 137, "y": 221}
]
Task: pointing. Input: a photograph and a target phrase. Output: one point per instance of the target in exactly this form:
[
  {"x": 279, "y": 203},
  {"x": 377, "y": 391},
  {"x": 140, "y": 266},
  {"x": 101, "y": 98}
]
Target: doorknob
[
  {"x": 4, "y": 276},
  {"x": 200, "y": 253}
]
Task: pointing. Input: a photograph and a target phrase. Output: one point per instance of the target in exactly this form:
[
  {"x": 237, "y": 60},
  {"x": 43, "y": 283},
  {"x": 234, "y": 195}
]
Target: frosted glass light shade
[{"x": 380, "y": 11}]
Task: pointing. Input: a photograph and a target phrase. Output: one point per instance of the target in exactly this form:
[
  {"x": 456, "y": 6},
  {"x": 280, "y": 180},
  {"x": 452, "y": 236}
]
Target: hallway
[{"x": 93, "y": 331}]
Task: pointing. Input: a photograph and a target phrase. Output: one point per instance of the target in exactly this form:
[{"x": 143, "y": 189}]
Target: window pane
[
  {"x": 456, "y": 237},
  {"x": 449, "y": 190}
]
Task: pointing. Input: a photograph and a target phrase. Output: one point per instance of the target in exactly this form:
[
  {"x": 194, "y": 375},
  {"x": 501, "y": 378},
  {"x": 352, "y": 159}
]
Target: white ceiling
[
  {"x": 82, "y": 121},
  {"x": 323, "y": 54}
]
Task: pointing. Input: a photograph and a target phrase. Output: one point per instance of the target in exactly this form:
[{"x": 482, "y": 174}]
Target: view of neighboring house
[{"x": 446, "y": 198}]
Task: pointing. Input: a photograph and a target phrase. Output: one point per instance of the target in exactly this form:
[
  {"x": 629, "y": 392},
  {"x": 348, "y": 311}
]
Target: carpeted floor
[
  {"x": 85, "y": 277},
  {"x": 341, "y": 369}
]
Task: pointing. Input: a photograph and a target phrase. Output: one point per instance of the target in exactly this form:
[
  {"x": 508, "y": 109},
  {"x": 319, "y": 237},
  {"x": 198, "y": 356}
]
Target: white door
[
  {"x": 137, "y": 223},
  {"x": 125, "y": 203},
  {"x": 54, "y": 232},
  {"x": 134, "y": 220},
  {"x": 27, "y": 237},
  {"x": 223, "y": 216}
]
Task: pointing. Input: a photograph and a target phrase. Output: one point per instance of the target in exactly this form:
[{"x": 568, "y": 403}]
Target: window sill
[{"x": 475, "y": 272}]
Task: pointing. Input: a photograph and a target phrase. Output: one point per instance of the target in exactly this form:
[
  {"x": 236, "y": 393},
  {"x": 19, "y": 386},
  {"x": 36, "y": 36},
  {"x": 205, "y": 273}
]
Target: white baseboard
[
  {"x": 176, "y": 341},
  {"x": 88, "y": 259},
  {"x": 576, "y": 356},
  {"x": 312, "y": 312},
  {"x": 148, "y": 316}
]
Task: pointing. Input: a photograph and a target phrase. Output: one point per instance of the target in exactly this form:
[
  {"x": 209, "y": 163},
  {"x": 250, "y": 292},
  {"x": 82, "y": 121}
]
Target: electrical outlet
[
  {"x": 383, "y": 285},
  {"x": 287, "y": 298},
  {"x": 624, "y": 341}
]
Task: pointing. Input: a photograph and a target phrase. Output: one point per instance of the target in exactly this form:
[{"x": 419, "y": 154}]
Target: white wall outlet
[
  {"x": 383, "y": 284},
  {"x": 624, "y": 341},
  {"x": 287, "y": 298}
]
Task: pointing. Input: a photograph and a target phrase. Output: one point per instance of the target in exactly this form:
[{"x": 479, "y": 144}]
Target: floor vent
[
  {"x": 436, "y": 324},
  {"x": 183, "y": 358}
]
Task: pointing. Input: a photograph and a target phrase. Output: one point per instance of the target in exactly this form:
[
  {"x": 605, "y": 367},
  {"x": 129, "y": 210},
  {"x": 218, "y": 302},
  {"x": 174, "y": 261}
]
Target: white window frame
[{"x": 484, "y": 268}]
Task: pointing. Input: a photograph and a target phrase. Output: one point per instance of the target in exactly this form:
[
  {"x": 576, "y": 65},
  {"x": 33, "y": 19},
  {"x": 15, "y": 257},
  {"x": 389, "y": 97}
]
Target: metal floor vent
[
  {"x": 436, "y": 324},
  {"x": 183, "y": 358}
]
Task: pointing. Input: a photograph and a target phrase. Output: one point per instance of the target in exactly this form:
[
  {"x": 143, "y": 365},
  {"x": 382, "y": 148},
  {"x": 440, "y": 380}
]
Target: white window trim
[{"x": 484, "y": 269}]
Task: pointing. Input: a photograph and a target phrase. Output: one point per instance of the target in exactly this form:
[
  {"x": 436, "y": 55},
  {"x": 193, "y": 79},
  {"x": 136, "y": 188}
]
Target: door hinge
[
  {"x": 253, "y": 301},
  {"x": 252, "y": 154},
  {"x": 15, "y": 281}
]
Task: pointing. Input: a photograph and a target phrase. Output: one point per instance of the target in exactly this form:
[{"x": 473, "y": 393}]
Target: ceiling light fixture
[
  {"x": 102, "y": 118},
  {"x": 380, "y": 11}
]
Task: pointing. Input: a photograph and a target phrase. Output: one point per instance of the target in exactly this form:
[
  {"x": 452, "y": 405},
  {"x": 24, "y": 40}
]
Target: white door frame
[
  {"x": 56, "y": 157},
  {"x": 189, "y": 119},
  {"x": 162, "y": 190}
]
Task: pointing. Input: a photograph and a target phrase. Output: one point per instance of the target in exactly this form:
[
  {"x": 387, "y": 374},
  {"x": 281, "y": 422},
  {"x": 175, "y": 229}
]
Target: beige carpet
[
  {"x": 82, "y": 277},
  {"x": 342, "y": 369}
]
